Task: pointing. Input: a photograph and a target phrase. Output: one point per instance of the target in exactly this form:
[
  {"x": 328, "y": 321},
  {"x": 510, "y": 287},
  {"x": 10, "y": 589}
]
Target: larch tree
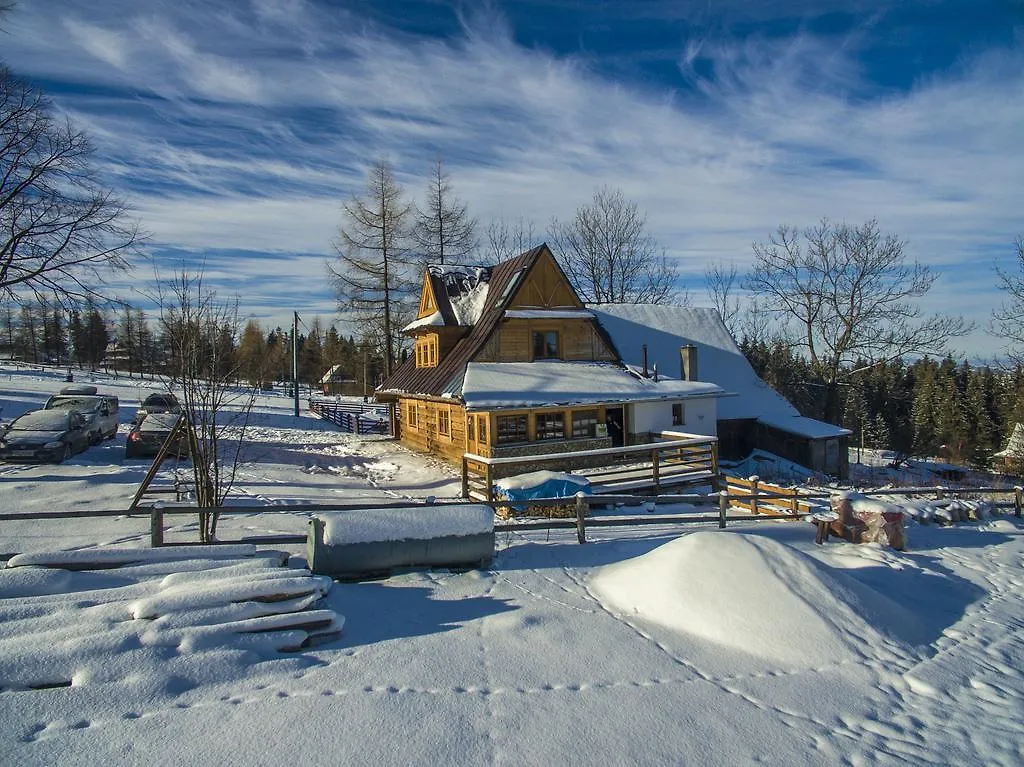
[
  {"x": 443, "y": 232},
  {"x": 373, "y": 276},
  {"x": 609, "y": 256},
  {"x": 843, "y": 292}
]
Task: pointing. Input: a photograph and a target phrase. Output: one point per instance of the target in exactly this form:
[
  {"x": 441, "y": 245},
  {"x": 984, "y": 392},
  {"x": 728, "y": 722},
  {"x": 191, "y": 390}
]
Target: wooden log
[
  {"x": 465, "y": 477},
  {"x": 581, "y": 513},
  {"x": 753, "y": 493},
  {"x": 723, "y": 507}
]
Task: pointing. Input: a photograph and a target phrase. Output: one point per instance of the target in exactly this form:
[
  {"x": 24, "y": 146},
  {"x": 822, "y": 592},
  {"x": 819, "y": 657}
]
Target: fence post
[
  {"x": 654, "y": 462},
  {"x": 716, "y": 477},
  {"x": 581, "y": 512},
  {"x": 156, "y": 525},
  {"x": 465, "y": 477},
  {"x": 489, "y": 480},
  {"x": 1018, "y": 500},
  {"x": 723, "y": 507},
  {"x": 754, "y": 480}
]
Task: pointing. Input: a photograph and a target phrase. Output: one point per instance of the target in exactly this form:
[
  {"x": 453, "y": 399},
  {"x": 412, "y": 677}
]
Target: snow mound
[{"x": 751, "y": 593}]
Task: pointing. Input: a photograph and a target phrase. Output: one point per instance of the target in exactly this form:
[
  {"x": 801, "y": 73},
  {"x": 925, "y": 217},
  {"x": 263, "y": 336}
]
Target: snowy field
[{"x": 648, "y": 645}]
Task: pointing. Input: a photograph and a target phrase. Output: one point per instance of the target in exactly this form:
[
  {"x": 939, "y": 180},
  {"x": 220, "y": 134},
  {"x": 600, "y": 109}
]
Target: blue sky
[{"x": 237, "y": 128}]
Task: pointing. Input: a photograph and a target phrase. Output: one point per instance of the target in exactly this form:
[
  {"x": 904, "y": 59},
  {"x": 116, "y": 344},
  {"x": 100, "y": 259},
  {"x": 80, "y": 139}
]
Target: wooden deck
[{"x": 649, "y": 468}]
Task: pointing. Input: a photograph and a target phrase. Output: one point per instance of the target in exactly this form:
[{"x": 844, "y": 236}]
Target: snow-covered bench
[{"x": 350, "y": 544}]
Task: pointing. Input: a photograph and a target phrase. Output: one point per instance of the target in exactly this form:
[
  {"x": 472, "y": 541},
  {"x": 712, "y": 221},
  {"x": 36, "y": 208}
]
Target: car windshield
[
  {"x": 72, "y": 402},
  {"x": 42, "y": 420}
]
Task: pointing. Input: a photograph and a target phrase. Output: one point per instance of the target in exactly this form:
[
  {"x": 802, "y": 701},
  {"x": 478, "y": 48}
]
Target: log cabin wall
[
  {"x": 578, "y": 341},
  {"x": 434, "y": 427}
]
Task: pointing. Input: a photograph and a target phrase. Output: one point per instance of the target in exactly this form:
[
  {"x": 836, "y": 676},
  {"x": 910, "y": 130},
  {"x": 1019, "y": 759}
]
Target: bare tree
[
  {"x": 507, "y": 238},
  {"x": 609, "y": 256},
  {"x": 722, "y": 285},
  {"x": 846, "y": 292},
  {"x": 201, "y": 332},
  {"x": 1008, "y": 317},
  {"x": 444, "y": 230},
  {"x": 373, "y": 277},
  {"x": 61, "y": 231}
]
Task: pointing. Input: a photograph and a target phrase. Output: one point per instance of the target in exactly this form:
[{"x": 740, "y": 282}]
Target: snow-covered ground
[{"x": 649, "y": 645}]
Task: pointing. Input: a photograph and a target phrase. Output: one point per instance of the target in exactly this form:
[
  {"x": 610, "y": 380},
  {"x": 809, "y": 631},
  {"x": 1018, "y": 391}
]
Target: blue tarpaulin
[{"x": 539, "y": 484}]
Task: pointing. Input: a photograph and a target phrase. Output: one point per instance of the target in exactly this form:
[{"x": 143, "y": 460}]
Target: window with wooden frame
[
  {"x": 411, "y": 416},
  {"x": 481, "y": 430},
  {"x": 444, "y": 422},
  {"x": 470, "y": 428},
  {"x": 550, "y": 425},
  {"x": 426, "y": 351},
  {"x": 545, "y": 344},
  {"x": 584, "y": 424},
  {"x": 678, "y": 415},
  {"x": 511, "y": 428}
]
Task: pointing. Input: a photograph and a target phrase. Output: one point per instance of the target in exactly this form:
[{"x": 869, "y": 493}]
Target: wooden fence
[
  {"x": 766, "y": 499},
  {"x": 353, "y": 417},
  {"x": 719, "y": 504}
]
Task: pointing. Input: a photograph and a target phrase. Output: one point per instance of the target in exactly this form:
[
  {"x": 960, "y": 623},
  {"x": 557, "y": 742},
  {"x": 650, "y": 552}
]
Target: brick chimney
[{"x": 688, "y": 362}]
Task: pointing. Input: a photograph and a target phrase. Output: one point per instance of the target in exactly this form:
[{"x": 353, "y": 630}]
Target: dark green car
[{"x": 45, "y": 436}]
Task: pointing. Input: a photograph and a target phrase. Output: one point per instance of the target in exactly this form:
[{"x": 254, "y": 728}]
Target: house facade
[
  {"x": 508, "y": 362},
  {"x": 752, "y": 416}
]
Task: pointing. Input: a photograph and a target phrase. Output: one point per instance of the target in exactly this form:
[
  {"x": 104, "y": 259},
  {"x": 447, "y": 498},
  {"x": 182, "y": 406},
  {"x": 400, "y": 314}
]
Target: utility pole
[{"x": 295, "y": 361}]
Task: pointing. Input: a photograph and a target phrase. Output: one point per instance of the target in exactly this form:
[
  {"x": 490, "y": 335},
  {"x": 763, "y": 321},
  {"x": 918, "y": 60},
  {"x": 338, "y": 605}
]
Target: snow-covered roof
[
  {"x": 491, "y": 385},
  {"x": 431, "y": 320},
  {"x": 664, "y": 329},
  {"x": 548, "y": 314},
  {"x": 466, "y": 288}
]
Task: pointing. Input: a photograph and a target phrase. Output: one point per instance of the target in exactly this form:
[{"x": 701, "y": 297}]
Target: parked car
[
  {"x": 102, "y": 412},
  {"x": 45, "y": 435},
  {"x": 157, "y": 402},
  {"x": 146, "y": 437}
]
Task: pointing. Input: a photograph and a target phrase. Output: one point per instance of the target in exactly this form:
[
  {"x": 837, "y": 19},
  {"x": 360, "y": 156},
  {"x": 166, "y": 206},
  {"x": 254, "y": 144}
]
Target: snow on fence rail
[{"x": 353, "y": 417}]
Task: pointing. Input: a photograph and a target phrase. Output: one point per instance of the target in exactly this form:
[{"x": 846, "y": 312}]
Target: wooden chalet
[{"x": 508, "y": 362}]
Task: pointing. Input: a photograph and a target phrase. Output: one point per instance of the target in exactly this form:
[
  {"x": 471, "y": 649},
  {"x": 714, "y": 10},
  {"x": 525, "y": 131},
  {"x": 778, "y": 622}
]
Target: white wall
[{"x": 699, "y": 417}]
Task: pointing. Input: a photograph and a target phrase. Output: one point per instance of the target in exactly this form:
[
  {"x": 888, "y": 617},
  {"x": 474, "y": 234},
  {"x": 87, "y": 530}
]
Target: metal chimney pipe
[{"x": 645, "y": 360}]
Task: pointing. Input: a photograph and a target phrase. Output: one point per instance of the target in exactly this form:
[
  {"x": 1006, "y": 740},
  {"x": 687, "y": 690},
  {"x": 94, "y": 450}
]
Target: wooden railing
[
  {"x": 653, "y": 466},
  {"x": 352, "y": 417},
  {"x": 766, "y": 499}
]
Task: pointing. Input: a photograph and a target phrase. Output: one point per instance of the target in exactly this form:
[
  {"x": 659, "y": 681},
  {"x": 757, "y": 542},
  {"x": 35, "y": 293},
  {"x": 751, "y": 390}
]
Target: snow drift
[{"x": 754, "y": 594}]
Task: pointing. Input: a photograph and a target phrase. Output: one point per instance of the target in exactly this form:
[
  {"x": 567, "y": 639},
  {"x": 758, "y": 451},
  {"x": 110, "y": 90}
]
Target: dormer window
[
  {"x": 426, "y": 351},
  {"x": 545, "y": 345}
]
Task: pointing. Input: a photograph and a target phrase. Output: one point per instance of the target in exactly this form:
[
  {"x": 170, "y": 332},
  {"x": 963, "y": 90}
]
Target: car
[
  {"x": 157, "y": 402},
  {"x": 101, "y": 411},
  {"x": 146, "y": 436},
  {"x": 46, "y": 435}
]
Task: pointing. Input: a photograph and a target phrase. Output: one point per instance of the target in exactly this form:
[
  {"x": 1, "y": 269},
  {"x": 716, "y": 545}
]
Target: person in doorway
[{"x": 614, "y": 429}]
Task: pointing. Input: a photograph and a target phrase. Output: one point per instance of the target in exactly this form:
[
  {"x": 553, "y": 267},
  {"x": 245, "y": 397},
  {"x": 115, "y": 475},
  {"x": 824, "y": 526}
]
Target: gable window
[
  {"x": 444, "y": 422},
  {"x": 677, "y": 414},
  {"x": 550, "y": 425},
  {"x": 511, "y": 428},
  {"x": 545, "y": 344},
  {"x": 584, "y": 424},
  {"x": 412, "y": 420}
]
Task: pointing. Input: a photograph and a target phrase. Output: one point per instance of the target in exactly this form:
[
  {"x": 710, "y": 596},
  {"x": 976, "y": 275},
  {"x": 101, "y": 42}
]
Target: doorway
[{"x": 613, "y": 418}]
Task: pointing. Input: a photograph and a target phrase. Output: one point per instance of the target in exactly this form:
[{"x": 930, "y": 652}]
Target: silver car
[{"x": 101, "y": 411}]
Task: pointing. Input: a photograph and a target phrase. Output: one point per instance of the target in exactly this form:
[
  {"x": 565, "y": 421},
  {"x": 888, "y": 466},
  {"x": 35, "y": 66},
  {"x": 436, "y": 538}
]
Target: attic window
[
  {"x": 677, "y": 414},
  {"x": 513, "y": 281},
  {"x": 545, "y": 344}
]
